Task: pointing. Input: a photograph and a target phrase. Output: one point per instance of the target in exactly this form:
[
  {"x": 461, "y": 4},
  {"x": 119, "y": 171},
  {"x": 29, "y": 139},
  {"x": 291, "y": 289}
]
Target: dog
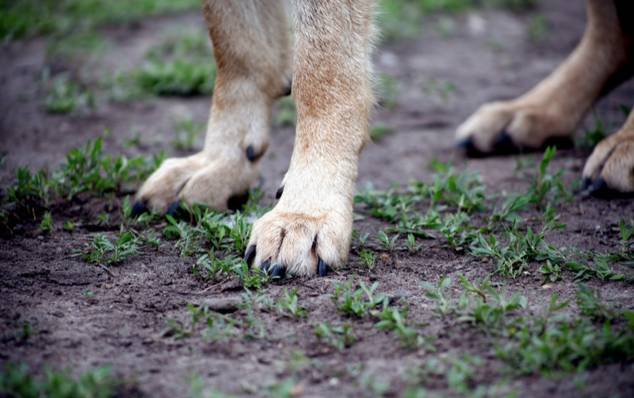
[{"x": 329, "y": 71}]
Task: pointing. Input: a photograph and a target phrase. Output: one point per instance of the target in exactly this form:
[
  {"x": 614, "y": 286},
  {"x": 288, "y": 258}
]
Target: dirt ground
[{"x": 488, "y": 55}]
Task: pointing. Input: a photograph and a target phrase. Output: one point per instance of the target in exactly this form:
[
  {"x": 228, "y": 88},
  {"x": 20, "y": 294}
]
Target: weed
[
  {"x": 368, "y": 258},
  {"x": 181, "y": 66},
  {"x": 177, "y": 78},
  {"x": 35, "y": 17},
  {"x": 66, "y": 95},
  {"x": 591, "y": 306},
  {"x": 567, "y": 347},
  {"x": 69, "y": 226},
  {"x": 521, "y": 247},
  {"x": 550, "y": 271},
  {"x": 598, "y": 267},
  {"x": 46, "y": 226},
  {"x": 104, "y": 251},
  {"x": 337, "y": 336},
  {"x": 438, "y": 295},
  {"x": 288, "y": 305},
  {"x": 15, "y": 381},
  {"x": 548, "y": 187},
  {"x": 487, "y": 308},
  {"x": 460, "y": 375},
  {"x": 394, "y": 320},
  {"x": 357, "y": 302},
  {"x": 388, "y": 243}
]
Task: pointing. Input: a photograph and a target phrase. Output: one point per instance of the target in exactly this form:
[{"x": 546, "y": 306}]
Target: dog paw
[
  {"x": 609, "y": 171},
  {"x": 502, "y": 128},
  {"x": 215, "y": 181},
  {"x": 301, "y": 237}
]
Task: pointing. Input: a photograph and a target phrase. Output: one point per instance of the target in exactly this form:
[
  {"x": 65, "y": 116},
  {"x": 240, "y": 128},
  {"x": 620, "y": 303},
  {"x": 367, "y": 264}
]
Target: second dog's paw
[
  {"x": 300, "y": 243},
  {"x": 197, "y": 179},
  {"x": 502, "y": 128},
  {"x": 610, "y": 168}
]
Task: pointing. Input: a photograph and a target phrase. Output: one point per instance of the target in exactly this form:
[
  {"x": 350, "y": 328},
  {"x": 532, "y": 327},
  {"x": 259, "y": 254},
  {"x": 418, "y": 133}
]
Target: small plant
[
  {"x": 104, "y": 251},
  {"x": 438, "y": 295},
  {"x": 337, "y": 336},
  {"x": 460, "y": 375},
  {"x": 16, "y": 381},
  {"x": 46, "y": 226},
  {"x": 288, "y": 305},
  {"x": 550, "y": 271},
  {"x": 393, "y": 320},
  {"x": 411, "y": 243},
  {"x": 181, "y": 66},
  {"x": 66, "y": 95},
  {"x": 368, "y": 258},
  {"x": 388, "y": 243},
  {"x": 357, "y": 302},
  {"x": 548, "y": 187},
  {"x": 69, "y": 226}
]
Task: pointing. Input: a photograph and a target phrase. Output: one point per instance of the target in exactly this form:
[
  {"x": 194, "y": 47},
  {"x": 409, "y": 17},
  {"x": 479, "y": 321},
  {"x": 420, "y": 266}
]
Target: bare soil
[{"x": 82, "y": 317}]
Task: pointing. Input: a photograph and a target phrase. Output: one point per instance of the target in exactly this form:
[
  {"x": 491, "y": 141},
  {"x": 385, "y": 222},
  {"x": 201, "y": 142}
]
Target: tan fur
[
  {"x": 556, "y": 106},
  {"x": 331, "y": 85},
  {"x": 253, "y": 58},
  {"x": 613, "y": 159}
]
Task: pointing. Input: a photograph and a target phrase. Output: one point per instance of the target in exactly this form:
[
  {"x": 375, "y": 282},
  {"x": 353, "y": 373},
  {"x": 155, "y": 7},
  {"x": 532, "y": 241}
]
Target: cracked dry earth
[{"x": 122, "y": 322}]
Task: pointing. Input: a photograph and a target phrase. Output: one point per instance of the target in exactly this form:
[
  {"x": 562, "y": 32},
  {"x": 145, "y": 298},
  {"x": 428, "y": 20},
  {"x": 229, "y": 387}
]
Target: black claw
[
  {"x": 265, "y": 266},
  {"x": 288, "y": 90},
  {"x": 469, "y": 149},
  {"x": 139, "y": 208},
  {"x": 252, "y": 155},
  {"x": 587, "y": 183},
  {"x": 278, "y": 271},
  {"x": 599, "y": 188},
  {"x": 322, "y": 268},
  {"x": 236, "y": 202},
  {"x": 173, "y": 209},
  {"x": 504, "y": 145},
  {"x": 279, "y": 192},
  {"x": 249, "y": 255}
]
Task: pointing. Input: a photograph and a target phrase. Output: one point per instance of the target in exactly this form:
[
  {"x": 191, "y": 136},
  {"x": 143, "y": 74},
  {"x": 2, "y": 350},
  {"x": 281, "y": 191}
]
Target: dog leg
[
  {"x": 252, "y": 55},
  {"x": 309, "y": 229},
  {"x": 554, "y": 108}
]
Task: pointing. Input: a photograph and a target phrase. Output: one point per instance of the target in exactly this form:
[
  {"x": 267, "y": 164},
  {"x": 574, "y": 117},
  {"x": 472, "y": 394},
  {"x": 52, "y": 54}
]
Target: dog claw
[
  {"x": 278, "y": 271},
  {"x": 173, "y": 208},
  {"x": 236, "y": 202},
  {"x": 139, "y": 208},
  {"x": 322, "y": 268},
  {"x": 265, "y": 266},
  {"x": 249, "y": 255},
  {"x": 279, "y": 192},
  {"x": 504, "y": 145}
]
